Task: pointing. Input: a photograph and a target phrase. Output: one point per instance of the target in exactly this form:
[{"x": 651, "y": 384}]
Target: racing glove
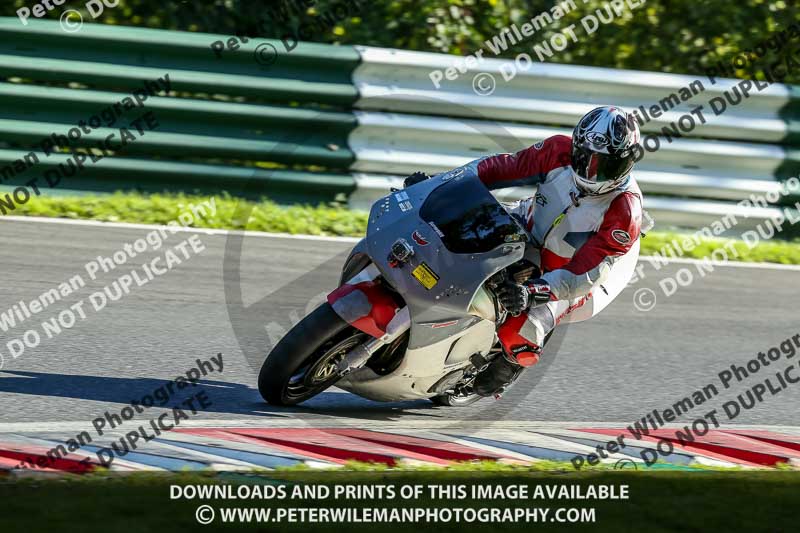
[
  {"x": 518, "y": 298},
  {"x": 415, "y": 178}
]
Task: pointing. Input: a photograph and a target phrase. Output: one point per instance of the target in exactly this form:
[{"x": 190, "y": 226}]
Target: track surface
[{"x": 613, "y": 369}]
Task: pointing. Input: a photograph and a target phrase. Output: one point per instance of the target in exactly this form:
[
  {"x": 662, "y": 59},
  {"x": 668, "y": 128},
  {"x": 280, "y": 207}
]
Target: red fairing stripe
[
  {"x": 382, "y": 307},
  {"x": 532, "y": 163},
  {"x": 622, "y": 222}
]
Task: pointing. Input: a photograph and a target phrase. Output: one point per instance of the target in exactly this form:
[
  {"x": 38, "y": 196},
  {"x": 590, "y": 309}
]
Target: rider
[{"x": 584, "y": 222}]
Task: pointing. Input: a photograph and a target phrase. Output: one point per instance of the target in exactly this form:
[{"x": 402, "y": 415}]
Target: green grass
[
  {"x": 234, "y": 213},
  {"x": 163, "y": 208},
  {"x": 657, "y": 502},
  {"x": 775, "y": 251},
  {"x": 498, "y": 466}
]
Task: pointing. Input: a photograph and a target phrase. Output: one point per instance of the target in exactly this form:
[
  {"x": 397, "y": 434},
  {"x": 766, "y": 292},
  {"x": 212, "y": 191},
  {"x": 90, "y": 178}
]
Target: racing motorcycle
[{"x": 415, "y": 315}]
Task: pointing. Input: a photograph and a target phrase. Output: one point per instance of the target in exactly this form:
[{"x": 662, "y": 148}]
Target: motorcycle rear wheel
[{"x": 304, "y": 362}]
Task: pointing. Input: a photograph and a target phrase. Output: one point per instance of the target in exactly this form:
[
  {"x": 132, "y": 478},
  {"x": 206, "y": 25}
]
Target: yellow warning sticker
[{"x": 426, "y": 277}]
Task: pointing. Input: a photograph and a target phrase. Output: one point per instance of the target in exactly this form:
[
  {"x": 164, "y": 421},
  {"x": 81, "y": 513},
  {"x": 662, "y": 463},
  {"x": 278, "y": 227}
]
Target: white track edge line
[
  {"x": 251, "y": 233},
  {"x": 206, "y": 231},
  {"x": 399, "y": 425}
]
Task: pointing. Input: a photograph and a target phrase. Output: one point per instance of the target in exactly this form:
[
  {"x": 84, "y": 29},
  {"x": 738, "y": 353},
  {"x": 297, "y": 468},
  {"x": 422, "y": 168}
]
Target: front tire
[{"x": 304, "y": 361}]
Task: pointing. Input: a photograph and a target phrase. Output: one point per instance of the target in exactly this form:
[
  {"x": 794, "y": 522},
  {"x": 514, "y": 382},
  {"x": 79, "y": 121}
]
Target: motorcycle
[{"x": 415, "y": 315}]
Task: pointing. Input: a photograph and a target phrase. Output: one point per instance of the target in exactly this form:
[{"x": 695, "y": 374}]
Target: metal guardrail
[
  {"x": 667, "y": 212},
  {"x": 402, "y": 144},
  {"x": 127, "y": 173},
  {"x": 226, "y": 123},
  {"x": 322, "y": 121},
  {"x": 398, "y": 80},
  {"x": 117, "y": 57},
  {"x": 406, "y": 123}
]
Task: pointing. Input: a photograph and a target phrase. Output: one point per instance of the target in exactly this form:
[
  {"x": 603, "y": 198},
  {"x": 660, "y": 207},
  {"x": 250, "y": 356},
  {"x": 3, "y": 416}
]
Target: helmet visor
[{"x": 598, "y": 167}]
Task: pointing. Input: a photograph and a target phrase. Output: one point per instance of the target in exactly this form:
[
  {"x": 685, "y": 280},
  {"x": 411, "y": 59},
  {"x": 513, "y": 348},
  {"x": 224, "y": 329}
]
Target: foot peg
[
  {"x": 496, "y": 378},
  {"x": 479, "y": 362}
]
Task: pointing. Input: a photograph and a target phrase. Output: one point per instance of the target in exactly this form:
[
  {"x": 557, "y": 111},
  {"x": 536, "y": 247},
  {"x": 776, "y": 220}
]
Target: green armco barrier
[
  {"x": 186, "y": 128},
  {"x": 53, "y": 104},
  {"x": 197, "y": 146},
  {"x": 129, "y": 174},
  {"x": 223, "y": 114},
  {"x": 335, "y": 120},
  {"x": 120, "y": 58}
]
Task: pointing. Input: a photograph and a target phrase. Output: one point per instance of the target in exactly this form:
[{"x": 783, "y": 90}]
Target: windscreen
[{"x": 470, "y": 218}]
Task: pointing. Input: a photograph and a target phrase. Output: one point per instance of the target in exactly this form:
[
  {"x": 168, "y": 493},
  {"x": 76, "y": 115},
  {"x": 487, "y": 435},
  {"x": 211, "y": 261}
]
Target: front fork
[{"x": 366, "y": 305}]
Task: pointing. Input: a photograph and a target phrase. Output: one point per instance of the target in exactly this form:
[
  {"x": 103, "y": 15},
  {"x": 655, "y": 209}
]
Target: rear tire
[{"x": 303, "y": 362}]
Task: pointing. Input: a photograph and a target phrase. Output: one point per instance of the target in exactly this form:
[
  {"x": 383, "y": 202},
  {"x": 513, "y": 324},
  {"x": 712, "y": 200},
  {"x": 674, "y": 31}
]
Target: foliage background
[{"x": 683, "y": 36}]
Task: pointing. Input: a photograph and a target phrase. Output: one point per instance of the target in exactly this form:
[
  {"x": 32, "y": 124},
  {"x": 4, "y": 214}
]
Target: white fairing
[
  {"x": 368, "y": 274},
  {"x": 424, "y": 367}
]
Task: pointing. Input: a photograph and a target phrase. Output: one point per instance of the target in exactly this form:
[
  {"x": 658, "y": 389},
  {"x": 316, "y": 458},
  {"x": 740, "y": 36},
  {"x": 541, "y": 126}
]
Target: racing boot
[
  {"x": 497, "y": 376},
  {"x": 518, "y": 352}
]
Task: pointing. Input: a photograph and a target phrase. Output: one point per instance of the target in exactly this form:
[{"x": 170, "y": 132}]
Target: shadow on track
[{"x": 228, "y": 398}]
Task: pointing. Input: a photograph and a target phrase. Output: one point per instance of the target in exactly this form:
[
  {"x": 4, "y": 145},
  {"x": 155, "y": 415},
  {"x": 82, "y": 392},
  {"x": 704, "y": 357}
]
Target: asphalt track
[{"x": 613, "y": 369}]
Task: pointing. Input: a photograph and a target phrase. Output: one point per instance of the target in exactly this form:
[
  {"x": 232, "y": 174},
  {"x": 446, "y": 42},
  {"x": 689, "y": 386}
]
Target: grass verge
[
  {"x": 332, "y": 220},
  {"x": 657, "y": 502}
]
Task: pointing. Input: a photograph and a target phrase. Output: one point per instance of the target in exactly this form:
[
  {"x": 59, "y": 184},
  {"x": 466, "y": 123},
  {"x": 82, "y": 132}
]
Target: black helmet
[{"x": 604, "y": 146}]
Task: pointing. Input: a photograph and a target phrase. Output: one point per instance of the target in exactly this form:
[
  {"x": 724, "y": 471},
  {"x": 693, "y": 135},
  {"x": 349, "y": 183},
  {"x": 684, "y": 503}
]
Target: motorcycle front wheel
[{"x": 304, "y": 362}]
